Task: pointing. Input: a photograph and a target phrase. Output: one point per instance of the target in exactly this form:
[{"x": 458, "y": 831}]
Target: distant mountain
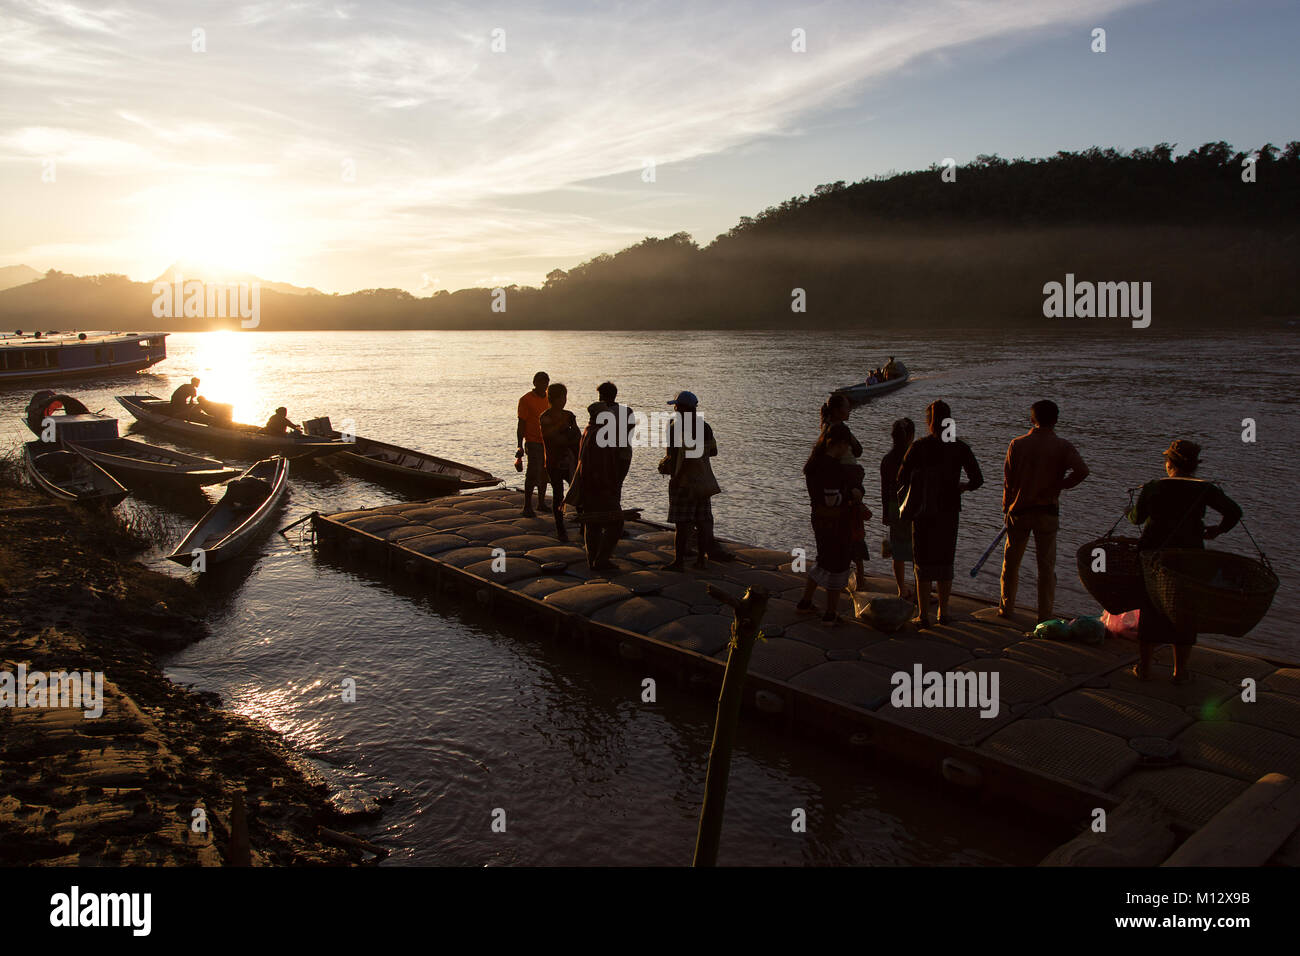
[
  {"x": 193, "y": 270},
  {"x": 1213, "y": 233},
  {"x": 11, "y": 276}
]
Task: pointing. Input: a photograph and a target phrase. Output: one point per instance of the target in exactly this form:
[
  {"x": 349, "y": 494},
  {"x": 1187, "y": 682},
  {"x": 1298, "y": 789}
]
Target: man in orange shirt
[
  {"x": 529, "y": 436},
  {"x": 1039, "y": 466}
]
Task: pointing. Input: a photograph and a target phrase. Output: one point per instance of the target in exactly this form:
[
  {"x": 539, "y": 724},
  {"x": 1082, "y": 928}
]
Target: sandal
[{"x": 805, "y": 607}]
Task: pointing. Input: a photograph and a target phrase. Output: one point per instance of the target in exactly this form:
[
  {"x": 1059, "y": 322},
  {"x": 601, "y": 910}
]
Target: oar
[{"x": 985, "y": 556}]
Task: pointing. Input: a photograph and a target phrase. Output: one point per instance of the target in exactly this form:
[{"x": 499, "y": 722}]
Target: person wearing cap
[
  {"x": 1171, "y": 512},
  {"x": 1039, "y": 466},
  {"x": 528, "y": 433},
  {"x": 692, "y": 485},
  {"x": 598, "y": 487}
]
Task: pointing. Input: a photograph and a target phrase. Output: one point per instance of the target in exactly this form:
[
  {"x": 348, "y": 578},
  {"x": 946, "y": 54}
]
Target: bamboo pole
[{"x": 744, "y": 631}]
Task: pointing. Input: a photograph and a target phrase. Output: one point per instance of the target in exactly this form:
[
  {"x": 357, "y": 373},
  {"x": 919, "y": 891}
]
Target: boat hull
[
  {"x": 227, "y": 529},
  {"x": 860, "y": 393},
  {"x": 141, "y": 463},
  {"x": 79, "y": 480},
  {"x": 152, "y": 412},
  {"x": 53, "y": 357},
  {"x": 381, "y": 460}
]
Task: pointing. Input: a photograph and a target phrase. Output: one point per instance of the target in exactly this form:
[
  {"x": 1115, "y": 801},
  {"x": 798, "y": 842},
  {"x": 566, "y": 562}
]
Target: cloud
[{"x": 448, "y": 139}]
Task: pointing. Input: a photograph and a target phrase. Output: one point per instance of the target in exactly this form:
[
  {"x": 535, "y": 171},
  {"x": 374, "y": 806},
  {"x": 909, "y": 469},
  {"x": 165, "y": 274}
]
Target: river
[{"x": 459, "y": 715}]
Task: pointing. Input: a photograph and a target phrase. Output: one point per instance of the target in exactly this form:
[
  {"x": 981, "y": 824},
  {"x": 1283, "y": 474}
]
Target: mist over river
[{"x": 458, "y": 713}]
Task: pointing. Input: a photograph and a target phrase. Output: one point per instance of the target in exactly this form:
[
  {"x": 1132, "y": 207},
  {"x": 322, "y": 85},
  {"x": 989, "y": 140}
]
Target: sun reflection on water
[{"x": 225, "y": 360}]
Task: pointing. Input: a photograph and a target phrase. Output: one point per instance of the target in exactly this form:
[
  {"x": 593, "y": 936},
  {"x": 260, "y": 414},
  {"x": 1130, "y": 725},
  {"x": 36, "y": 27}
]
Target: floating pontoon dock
[{"x": 1075, "y": 730}]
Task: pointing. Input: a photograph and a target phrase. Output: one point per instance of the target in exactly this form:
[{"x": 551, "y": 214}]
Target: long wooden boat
[
  {"x": 381, "y": 460},
  {"x": 55, "y": 356},
  {"x": 862, "y": 391},
  {"x": 65, "y": 475},
  {"x": 232, "y": 523},
  {"x": 135, "y": 462},
  {"x": 156, "y": 412}
]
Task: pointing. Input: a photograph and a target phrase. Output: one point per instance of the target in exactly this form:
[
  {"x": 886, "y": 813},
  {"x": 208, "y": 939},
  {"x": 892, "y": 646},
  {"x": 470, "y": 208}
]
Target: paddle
[{"x": 985, "y": 556}]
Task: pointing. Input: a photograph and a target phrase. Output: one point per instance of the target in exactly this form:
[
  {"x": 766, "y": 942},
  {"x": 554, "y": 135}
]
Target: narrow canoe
[
  {"x": 382, "y": 460},
  {"x": 862, "y": 391},
  {"x": 139, "y": 462},
  {"x": 65, "y": 475},
  {"x": 153, "y": 411},
  {"x": 231, "y": 524}
]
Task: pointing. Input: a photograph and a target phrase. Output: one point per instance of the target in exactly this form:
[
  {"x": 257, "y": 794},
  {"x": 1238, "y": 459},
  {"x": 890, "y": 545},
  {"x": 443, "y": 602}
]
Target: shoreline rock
[{"x": 156, "y": 778}]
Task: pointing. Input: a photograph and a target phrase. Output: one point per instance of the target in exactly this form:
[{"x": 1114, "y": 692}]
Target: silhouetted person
[
  {"x": 691, "y": 485},
  {"x": 900, "y": 532},
  {"x": 183, "y": 397},
  {"x": 279, "y": 422},
  {"x": 1172, "y": 514},
  {"x": 937, "y": 465},
  {"x": 830, "y": 485},
  {"x": 599, "y": 488},
  {"x": 623, "y": 423},
  {"x": 1039, "y": 466},
  {"x": 528, "y": 434},
  {"x": 561, "y": 440},
  {"x": 837, "y": 408}
]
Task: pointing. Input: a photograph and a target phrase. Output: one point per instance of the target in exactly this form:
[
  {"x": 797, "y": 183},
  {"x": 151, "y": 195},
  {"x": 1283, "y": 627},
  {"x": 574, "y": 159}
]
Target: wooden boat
[
  {"x": 137, "y": 461},
  {"x": 68, "y": 476},
  {"x": 862, "y": 391},
  {"x": 156, "y": 412},
  {"x": 95, "y": 437},
  {"x": 381, "y": 460},
  {"x": 232, "y": 523}
]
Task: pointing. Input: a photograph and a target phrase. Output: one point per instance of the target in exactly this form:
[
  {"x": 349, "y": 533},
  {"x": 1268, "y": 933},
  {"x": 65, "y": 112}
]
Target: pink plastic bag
[{"x": 1122, "y": 625}]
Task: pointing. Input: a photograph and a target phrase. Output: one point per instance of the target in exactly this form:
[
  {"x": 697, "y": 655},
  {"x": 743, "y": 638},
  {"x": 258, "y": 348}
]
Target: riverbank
[{"x": 155, "y": 779}]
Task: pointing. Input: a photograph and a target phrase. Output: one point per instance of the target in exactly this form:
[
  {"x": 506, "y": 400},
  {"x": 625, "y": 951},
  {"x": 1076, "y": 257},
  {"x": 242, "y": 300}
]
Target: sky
[{"x": 426, "y": 146}]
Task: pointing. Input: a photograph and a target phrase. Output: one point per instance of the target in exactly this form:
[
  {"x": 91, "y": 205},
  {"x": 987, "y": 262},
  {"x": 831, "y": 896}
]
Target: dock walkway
[{"x": 1074, "y": 731}]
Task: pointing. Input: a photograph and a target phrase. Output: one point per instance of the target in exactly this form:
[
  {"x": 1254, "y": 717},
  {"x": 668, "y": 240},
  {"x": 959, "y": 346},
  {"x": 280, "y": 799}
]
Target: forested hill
[
  {"x": 1145, "y": 186},
  {"x": 972, "y": 245}
]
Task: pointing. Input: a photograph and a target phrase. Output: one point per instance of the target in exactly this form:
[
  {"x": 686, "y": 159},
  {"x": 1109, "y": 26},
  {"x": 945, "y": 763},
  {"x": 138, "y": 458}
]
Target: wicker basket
[
  {"x": 1120, "y": 587},
  {"x": 1209, "y": 592}
]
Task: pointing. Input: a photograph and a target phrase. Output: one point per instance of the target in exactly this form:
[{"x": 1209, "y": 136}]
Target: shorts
[{"x": 535, "y": 473}]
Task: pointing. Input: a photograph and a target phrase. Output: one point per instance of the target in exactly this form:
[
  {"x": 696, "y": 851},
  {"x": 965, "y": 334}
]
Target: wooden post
[
  {"x": 238, "y": 852},
  {"x": 744, "y": 631}
]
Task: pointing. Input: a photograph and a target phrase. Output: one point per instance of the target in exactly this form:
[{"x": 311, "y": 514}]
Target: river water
[{"x": 458, "y": 715}]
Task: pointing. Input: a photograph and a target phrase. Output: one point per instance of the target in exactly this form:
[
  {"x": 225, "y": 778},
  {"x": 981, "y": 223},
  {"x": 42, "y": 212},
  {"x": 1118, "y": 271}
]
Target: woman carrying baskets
[{"x": 1172, "y": 514}]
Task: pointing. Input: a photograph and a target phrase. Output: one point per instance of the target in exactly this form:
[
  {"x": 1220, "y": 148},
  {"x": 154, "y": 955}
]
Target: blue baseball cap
[{"x": 685, "y": 398}]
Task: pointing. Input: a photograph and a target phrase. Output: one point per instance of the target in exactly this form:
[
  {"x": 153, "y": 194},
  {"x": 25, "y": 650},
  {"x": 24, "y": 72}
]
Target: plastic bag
[
  {"x": 1087, "y": 630},
  {"x": 1053, "y": 630},
  {"x": 1122, "y": 625}
]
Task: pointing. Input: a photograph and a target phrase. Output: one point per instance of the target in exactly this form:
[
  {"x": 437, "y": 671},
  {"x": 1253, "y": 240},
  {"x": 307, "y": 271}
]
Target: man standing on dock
[
  {"x": 623, "y": 426},
  {"x": 601, "y": 470},
  {"x": 1039, "y": 466},
  {"x": 528, "y": 434}
]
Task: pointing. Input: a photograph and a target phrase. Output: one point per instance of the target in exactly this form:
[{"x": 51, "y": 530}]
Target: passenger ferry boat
[{"x": 53, "y": 356}]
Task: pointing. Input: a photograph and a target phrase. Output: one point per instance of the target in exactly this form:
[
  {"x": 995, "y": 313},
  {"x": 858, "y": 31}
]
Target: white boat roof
[{"x": 47, "y": 339}]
